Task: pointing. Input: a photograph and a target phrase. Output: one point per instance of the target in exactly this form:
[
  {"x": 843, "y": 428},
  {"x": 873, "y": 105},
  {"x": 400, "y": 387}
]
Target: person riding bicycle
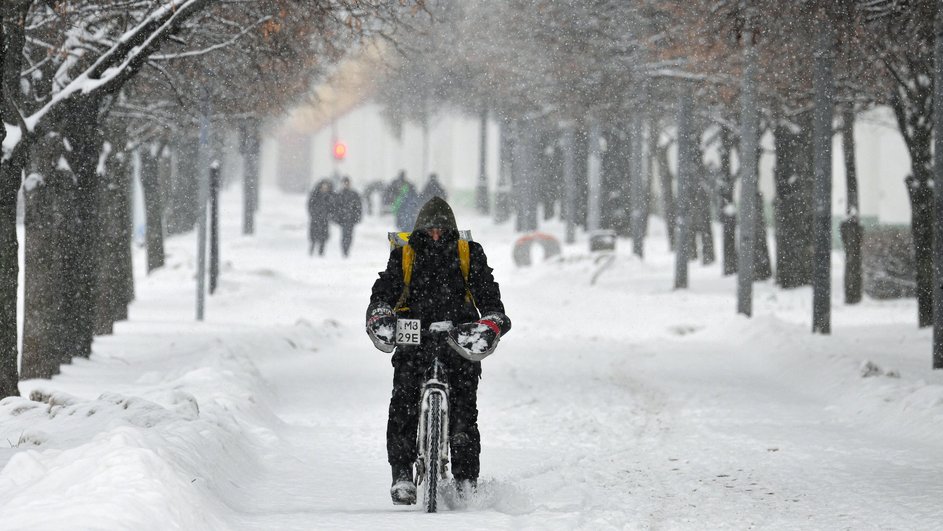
[{"x": 438, "y": 291}]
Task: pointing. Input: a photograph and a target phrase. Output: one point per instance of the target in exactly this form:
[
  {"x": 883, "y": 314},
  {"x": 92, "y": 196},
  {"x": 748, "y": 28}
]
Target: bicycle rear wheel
[{"x": 433, "y": 459}]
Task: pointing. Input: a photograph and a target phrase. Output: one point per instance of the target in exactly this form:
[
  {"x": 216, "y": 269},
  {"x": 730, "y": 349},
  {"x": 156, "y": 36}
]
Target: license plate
[{"x": 407, "y": 331}]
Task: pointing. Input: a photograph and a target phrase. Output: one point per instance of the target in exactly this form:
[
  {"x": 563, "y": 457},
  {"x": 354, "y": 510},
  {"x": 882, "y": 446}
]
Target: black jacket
[
  {"x": 348, "y": 208},
  {"x": 437, "y": 288}
]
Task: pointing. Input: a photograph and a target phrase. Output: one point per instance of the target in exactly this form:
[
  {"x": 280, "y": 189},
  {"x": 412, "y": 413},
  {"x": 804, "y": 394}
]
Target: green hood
[{"x": 436, "y": 213}]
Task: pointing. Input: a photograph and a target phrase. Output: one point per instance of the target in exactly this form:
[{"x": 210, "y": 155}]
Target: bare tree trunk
[
  {"x": 85, "y": 137},
  {"x": 910, "y": 102},
  {"x": 728, "y": 210},
  {"x": 12, "y": 38},
  {"x": 525, "y": 177},
  {"x": 938, "y": 190},
  {"x": 851, "y": 231},
  {"x": 9, "y": 271},
  {"x": 667, "y": 194},
  {"x": 594, "y": 179},
  {"x": 114, "y": 278},
  {"x": 762, "y": 265},
  {"x": 702, "y": 190},
  {"x": 792, "y": 206},
  {"x": 502, "y": 199},
  {"x": 251, "y": 143},
  {"x": 153, "y": 206},
  {"x": 686, "y": 154},
  {"x": 921, "y": 226},
  {"x": 569, "y": 183},
  {"x": 481, "y": 191},
  {"x": 822, "y": 192},
  {"x": 183, "y": 207},
  {"x": 49, "y": 224},
  {"x": 749, "y": 140},
  {"x": 637, "y": 196}
]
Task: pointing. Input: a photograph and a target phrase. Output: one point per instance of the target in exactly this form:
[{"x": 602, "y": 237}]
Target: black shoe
[
  {"x": 466, "y": 487},
  {"x": 403, "y": 490}
]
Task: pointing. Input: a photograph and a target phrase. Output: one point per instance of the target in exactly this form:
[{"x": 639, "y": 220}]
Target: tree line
[
  {"x": 640, "y": 78},
  {"x": 91, "y": 86}
]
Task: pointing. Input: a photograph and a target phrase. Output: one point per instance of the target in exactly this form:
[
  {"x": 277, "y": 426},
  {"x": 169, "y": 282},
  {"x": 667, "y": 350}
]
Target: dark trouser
[
  {"x": 409, "y": 368},
  {"x": 347, "y": 238},
  {"x": 317, "y": 236}
]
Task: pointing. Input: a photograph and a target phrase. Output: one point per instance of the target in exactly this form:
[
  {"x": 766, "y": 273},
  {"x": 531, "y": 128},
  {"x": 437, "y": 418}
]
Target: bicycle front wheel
[{"x": 433, "y": 445}]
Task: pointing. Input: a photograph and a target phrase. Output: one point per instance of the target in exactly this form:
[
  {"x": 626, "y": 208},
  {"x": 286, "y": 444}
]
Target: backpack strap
[
  {"x": 409, "y": 254},
  {"x": 464, "y": 261}
]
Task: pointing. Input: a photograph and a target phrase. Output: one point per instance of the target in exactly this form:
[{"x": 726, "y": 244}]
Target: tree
[{"x": 82, "y": 62}]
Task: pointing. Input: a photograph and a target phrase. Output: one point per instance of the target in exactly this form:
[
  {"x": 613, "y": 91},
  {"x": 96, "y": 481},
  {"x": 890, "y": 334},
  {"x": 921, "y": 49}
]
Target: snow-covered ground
[{"x": 620, "y": 404}]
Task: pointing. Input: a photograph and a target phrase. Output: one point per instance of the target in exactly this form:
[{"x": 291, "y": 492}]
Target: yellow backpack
[{"x": 409, "y": 256}]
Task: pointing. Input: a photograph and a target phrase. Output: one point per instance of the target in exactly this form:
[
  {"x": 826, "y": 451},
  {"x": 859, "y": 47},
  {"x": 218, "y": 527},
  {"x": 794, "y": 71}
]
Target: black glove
[
  {"x": 481, "y": 337},
  {"x": 381, "y": 327}
]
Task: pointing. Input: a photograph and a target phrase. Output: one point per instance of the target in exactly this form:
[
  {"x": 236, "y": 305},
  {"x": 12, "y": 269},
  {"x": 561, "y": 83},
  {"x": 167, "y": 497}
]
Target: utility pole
[{"x": 214, "y": 225}]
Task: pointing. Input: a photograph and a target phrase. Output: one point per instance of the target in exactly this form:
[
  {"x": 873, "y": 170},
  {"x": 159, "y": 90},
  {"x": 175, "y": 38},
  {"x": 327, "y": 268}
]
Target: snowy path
[{"x": 616, "y": 405}]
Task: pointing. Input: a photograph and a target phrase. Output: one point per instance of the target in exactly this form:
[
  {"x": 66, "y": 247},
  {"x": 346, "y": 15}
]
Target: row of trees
[
  {"x": 704, "y": 76},
  {"x": 88, "y": 86}
]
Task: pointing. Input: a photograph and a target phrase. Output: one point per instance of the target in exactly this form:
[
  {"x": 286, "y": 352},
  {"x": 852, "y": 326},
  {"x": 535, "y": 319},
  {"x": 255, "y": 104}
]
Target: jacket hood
[{"x": 436, "y": 213}]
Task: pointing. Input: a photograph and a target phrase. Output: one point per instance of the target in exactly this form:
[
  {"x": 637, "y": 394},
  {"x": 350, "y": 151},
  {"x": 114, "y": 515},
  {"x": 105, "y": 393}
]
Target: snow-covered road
[{"x": 619, "y": 404}]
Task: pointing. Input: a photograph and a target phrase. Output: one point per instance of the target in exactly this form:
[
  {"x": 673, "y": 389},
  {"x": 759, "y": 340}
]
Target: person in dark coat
[
  {"x": 348, "y": 210},
  {"x": 433, "y": 189},
  {"x": 436, "y": 293},
  {"x": 320, "y": 209}
]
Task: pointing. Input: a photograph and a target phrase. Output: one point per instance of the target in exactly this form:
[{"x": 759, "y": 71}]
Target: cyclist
[{"x": 436, "y": 292}]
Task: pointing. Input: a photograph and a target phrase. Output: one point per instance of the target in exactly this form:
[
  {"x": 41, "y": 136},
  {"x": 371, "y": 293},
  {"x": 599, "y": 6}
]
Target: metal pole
[
  {"x": 822, "y": 188},
  {"x": 748, "y": 180},
  {"x": 938, "y": 194},
  {"x": 214, "y": 225}
]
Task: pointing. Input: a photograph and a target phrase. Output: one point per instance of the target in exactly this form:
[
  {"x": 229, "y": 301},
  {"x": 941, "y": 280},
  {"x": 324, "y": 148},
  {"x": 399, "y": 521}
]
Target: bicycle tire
[{"x": 433, "y": 459}]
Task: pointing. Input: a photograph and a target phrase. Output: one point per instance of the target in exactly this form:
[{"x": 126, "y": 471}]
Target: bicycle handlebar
[{"x": 440, "y": 328}]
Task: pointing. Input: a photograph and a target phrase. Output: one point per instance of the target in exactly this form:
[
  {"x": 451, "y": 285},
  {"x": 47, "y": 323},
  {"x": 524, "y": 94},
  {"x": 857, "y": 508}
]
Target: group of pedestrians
[
  {"x": 343, "y": 207},
  {"x": 404, "y": 201}
]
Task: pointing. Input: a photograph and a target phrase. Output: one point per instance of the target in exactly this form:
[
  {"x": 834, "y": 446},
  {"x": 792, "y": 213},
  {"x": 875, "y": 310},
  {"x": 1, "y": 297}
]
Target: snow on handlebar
[{"x": 442, "y": 328}]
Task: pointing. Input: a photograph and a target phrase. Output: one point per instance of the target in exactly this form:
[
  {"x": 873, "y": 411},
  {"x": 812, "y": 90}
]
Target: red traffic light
[{"x": 340, "y": 150}]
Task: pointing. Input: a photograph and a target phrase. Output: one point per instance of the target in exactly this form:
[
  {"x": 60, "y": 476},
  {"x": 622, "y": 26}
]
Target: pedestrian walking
[
  {"x": 348, "y": 210},
  {"x": 320, "y": 206},
  {"x": 405, "y": 201},
  {"x": 433, "y": 189}
]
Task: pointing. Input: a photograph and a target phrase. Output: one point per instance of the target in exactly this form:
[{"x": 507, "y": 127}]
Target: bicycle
[{"x": 432, "y": 434}]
